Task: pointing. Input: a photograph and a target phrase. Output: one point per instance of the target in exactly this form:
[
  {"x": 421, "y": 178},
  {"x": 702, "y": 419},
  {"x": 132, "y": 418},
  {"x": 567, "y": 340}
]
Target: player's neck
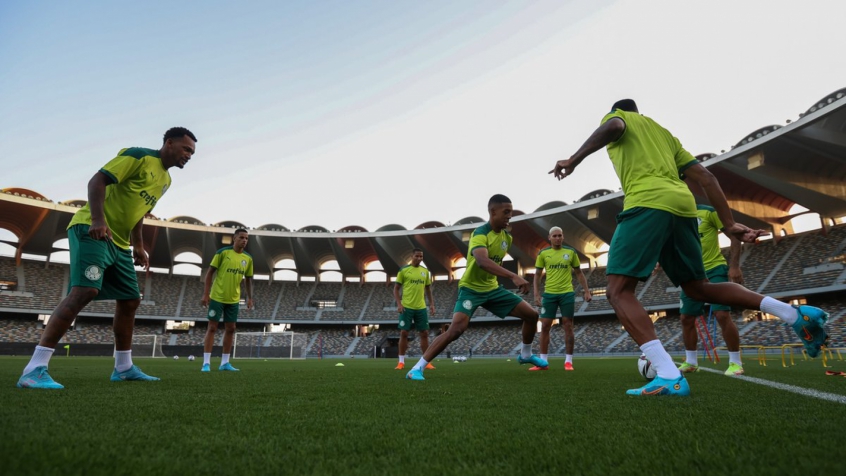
[
  {"x": 237, "y": 250},
  {"x": 494, "y": 228},
  {"x": 556, "y": 247}
]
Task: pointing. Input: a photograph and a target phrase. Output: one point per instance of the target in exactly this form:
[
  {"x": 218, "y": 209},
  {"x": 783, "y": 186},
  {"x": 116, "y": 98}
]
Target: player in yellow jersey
[
  {"x": 106, "y": 241},
  {"x": 658, "y": 225},
  {"x": 414, "y": 280},
  {"x": 717, "y": 271},
  {"x": 559, "y": 262},
  {"x": 479, "y": 287},
  {"x": 222, "y": 295}
]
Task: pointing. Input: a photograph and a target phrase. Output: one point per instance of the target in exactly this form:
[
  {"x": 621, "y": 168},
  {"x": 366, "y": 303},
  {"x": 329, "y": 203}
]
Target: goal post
[
  {"x": 147, "y": 345},
  {"x": 269, "y": 345}
]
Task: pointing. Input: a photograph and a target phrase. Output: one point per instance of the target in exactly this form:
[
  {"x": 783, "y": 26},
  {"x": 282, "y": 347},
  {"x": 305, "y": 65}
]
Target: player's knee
[
  {"x": 695, "y": 290},
  {"x": 129, "y": 305},
  {"x": 545, "y": 327},
  {"x": 404, "y": 334},
  {"x": 723, "y": 319},
  {"x": 687, "y": 321},
  {"x": 81, "y": 296}
]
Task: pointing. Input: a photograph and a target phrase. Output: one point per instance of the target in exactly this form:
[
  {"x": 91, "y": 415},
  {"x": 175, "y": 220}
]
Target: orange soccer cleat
[
  {"x": 430, "y": 366},
  {"x": 399, "y": 366},
  {"x": 568, "y": 366},
  {"x": 535, "y": 368}
]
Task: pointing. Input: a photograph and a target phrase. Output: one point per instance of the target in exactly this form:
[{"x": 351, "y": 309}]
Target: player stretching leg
[
  {"x": 413, "y": 280},
  {"x": 479, "y": 287},
  {"x": 658, "y": 225},
  {"x": 559, "y": 262},
  {"x": 100, "y": 235},
  {"x": 717, "y": 271},
  {"x": 222, "y": 295}
]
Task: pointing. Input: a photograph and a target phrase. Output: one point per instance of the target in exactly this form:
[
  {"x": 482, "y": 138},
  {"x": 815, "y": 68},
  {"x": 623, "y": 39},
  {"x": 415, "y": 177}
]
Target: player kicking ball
[
  {"x": 658, "y": 224},
  {"x": 479, "y": 287},
  {"x": 222, "y": 295}
]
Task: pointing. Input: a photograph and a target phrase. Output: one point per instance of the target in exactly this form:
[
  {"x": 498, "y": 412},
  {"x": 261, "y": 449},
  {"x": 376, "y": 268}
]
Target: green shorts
[
  {"x": 645, "y": 236},
  {"x": 229, "y": 312},
  {"x": 102, "y": 265},
  {"x": 500, "y": 301},
  {"x": 690, "y": 307},
  {"x": 552, "y": 302},
  {"x": 419, "y": 318}
]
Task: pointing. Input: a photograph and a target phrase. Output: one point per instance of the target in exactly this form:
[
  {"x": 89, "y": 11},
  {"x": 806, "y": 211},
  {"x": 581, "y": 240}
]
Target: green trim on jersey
[
  {"x": 414, "y": 281},
  {"x": 232, "y": 267},
  {"x": 559, "y": 265},
  {"x": 497, "y": 244},
  {"x": 139, "y": 182},
  {"x": 709, "y": 230},
  {"x": 649, "y": 160}
]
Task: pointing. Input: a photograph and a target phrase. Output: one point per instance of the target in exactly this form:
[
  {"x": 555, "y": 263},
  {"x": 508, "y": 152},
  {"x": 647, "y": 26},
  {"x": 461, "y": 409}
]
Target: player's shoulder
[
  {"x": 223, "y": 250},
  {"x": 483, "y": 230},
  {"x": 404, "y": 268},
  {"x": 568, "y": 248},
  {"x": 138, "y": 152},
  {"x": 247, "y": 255},
  {"x": 544, "y": 250}
]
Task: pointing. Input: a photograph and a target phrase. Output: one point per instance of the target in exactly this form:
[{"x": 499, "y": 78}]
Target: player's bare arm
[
  {"x": 735, "y": 274},
  {"x": 400, "y": 309},
  {"x": 605, "y": 134},
  {"x": 98, "y": 230},
  {"x": 208, "y": 285},
  {"x": 139, "y": 254},
  {"x": 487, "y": 264},
  {"x": 536, "y": 285},
  {"x": 711, "y": 186},
  {"x": 583, "y": 281},
  {"x": 248, "y": 285}
]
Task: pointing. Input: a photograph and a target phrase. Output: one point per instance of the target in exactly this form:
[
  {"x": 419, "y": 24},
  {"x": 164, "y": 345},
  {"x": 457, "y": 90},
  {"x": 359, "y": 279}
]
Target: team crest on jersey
[
  {"x": 698, "y": 221},
  {"x": 423, "y": 273},
  {"x": 243, "y": 262},
  {"x": 164, "y": 189},
  {"x": 566, "y": 256},
  {"x": 93, "y": 273},
  {"x": 503, "y": 245},
  {"x": 467, "y": 304}
]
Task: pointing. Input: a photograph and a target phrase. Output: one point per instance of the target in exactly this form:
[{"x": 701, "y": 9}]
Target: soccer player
[
  {"x": 658, "y": 225},
  {"x": 560, "y": 263},
  {"x": 479, "y": 287},
  {"x": 222, "y": 295},
  {"x": 414, "y": 280},
  {"x": 100, "y": 236},
  {"x": 717, "y": 271}
]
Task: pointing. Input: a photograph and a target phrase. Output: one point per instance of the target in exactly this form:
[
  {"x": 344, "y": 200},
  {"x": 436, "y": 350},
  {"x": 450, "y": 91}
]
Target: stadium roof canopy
[{"x": 768, "y": 172}]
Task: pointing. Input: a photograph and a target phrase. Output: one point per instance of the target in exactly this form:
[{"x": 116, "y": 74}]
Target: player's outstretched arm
[
  {"x": 484, "y": 262},
  {"x": 711, "y": 186},
  {"x": 605, "y": 134}
]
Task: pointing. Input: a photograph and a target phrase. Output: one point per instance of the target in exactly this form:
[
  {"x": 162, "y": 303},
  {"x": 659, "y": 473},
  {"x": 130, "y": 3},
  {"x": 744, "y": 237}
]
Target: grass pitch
[{"x": 484, "y": 416}]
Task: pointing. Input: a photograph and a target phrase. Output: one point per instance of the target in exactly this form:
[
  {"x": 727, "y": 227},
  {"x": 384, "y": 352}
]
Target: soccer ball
[
  {"x": 190, "y": 358},
  {"x": 644, "y": 366},
  {"x": 175, "y": 357}
]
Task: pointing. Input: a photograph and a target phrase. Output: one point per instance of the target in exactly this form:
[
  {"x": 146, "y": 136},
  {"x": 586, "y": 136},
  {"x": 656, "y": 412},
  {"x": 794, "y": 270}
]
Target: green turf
[{"x": 484, "y": 416}]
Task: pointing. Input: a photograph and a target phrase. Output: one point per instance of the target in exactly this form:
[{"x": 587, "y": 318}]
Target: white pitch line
[{"x": 831, "y": 397}]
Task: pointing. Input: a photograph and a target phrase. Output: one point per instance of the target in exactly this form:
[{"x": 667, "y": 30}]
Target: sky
[{"x": 369, "y": 113}]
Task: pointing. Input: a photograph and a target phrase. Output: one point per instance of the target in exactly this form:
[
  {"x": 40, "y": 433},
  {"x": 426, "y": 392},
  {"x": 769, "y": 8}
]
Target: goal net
[
  {"x": 269, "y": 345},
  {"x": 147, "y": 345}
]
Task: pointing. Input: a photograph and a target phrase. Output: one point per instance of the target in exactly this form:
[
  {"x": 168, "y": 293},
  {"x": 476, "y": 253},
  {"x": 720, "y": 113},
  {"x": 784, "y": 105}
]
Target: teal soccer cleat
[
  {"x": 227, "y": 367},
  {"x": 415, "y": 374},
  {"x": 205, "y": 368},
  {"x": 132, "y": 373},
  {"x": 38, "y": 378},
  {"x": 659, "y": 386},
  {"x": 810, "y": 328},
  {"x": 534, "y": 360}
]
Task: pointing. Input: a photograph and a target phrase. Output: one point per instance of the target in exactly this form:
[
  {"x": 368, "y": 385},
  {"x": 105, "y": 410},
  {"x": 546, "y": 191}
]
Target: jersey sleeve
[
  {"x": 618, "y": 115},
  {"x": 249, "y": 273},
  {"x": 715, "y": 220},
  {"x": 574, "y": 261},
  {"x": 478, "y": 240},
  {"x": 683, "y": 158},
  {"x": 121, "y": 168},
  {"x": 399, "y": 277},
  {"x": 215, "y": 263},
  {"x": 428, "y": 278},
  {"x": 539, "y": 262}
]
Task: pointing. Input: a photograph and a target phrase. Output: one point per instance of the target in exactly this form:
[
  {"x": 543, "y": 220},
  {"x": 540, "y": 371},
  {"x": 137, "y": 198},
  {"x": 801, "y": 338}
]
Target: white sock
[
  {"x": 661, "y": 360},
  {"x": 734, "y": 358},
  {"x": 123, "y": 360},
  {"x": 544, "y": 356},
  {"x": 206, "y": 358},
  {"x": 691, "y": 357},
  {"x": 526, "y": 352},
  {"x": 782, "y": 310},
  {"x": 402, "y": 359},
  {"x": 40, "y": 358},
  {"x": 421, "y": 364},
  {"x": 568, "y": 358},
  {"x": 224, "y": 359}
]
